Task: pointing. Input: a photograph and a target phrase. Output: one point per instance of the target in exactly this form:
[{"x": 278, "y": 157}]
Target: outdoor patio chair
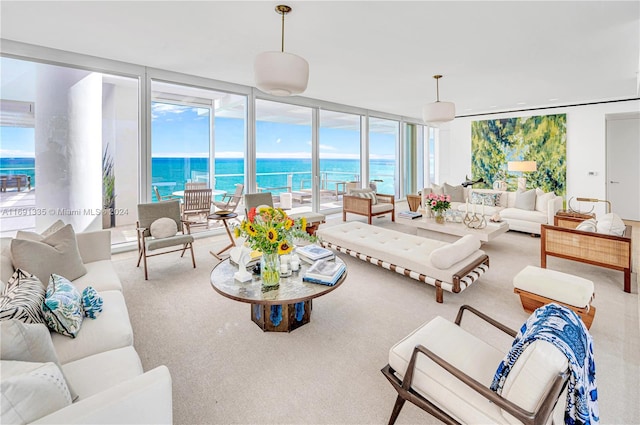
[
  {"x": 197, "y": 202},
  {"x": 150, "y": 239},
  {"x": 195, "y": 185},
  {"x": 459, "y": 377},
  {"x": 163, "y": 198},
  {"x": 230, "y": 202}
]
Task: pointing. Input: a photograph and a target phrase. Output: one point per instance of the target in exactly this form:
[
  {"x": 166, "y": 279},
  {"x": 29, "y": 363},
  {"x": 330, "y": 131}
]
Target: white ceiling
[{"x": 379, "y": 55}]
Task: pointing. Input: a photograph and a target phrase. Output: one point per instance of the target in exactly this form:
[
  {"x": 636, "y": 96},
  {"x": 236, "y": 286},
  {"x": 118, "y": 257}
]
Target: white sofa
[
  {"x": 101, "y": 364},
  {"x": 547, "y": 204}
]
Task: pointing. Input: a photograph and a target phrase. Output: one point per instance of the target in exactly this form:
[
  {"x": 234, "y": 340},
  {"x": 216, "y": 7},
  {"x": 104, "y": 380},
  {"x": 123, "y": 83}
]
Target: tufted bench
[
  {"x": 410, "y": 255},
  {"x": 537, "y": 286}
]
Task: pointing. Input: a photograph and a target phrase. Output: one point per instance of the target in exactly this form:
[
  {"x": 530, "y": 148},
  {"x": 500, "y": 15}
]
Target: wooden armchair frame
[
  {"x": 612, "y": 252},
  {"x": 363, "y": 206},
  {"x": 406, "y": 392}
]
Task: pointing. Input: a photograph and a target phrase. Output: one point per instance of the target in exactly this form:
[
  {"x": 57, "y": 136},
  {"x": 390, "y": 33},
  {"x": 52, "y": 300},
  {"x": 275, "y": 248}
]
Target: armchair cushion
[
  {"x": 365, "y": 193},
  {"x": 589, "y": 225},
  {"x": 611, "y": 224},
  {"x": 163, "y": 227}
]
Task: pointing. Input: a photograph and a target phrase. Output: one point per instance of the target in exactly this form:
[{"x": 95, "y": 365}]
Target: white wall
[{"x": 586, "y": 146}]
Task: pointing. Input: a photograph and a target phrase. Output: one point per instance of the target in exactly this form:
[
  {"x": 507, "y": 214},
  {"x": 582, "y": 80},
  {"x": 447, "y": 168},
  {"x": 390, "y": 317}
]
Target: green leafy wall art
[{"x": 542, "y": 139}]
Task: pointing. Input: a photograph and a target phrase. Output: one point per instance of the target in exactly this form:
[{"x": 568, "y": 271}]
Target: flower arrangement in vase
[
  {"x": 271, "y": 231},
  {"x": 439, "y": 204}
]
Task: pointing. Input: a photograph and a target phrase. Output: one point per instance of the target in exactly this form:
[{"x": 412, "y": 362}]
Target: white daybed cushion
[
  {"x": 446, "y": 256},
  {"x": 404, "y": 250}
]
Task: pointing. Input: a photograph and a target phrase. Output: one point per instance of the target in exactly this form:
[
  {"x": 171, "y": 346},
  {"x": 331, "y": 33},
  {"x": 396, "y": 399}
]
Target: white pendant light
[
  {"x": 438, "y": 112},
  {"x": 280, "y": 73}
]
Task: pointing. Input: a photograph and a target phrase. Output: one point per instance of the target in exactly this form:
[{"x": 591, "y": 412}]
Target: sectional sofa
[
  {"x": 529, "y": 219},
  {"x": 100, "y": 364}
]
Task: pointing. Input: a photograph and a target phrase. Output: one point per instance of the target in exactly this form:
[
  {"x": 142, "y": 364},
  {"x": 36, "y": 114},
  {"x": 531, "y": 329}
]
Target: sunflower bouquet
[{"x": 271, "y": 231}]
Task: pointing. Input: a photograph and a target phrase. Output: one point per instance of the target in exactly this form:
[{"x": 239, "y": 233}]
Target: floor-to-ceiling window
[
  {"x": 76, "y": 149},
  {"x": 383, "y": 146},
  {"x": 339, "y": 152},
  {"x": 283, "y": 152},
  {"x": 198, "y": 135}
]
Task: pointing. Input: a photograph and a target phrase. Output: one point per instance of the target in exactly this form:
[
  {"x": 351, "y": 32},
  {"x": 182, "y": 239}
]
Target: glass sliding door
[
  {"x": 283, "y": 153},
  {"x": 69, "y": 149},
  {"x": 339, "y": 156},
  {"x": 383, "y": 148},
  {"x": 198, "y": 136}
]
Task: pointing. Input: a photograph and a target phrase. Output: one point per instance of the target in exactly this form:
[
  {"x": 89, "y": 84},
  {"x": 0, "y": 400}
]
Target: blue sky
[{"x": 184, "y": 132}]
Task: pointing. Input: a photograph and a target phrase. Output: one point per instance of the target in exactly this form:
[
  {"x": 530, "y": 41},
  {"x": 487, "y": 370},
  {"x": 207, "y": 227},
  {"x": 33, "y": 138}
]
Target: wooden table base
[{"x": 281, "y": 318}]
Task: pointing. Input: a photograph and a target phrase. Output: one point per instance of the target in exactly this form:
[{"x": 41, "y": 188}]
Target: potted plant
[{"x": 108, "y": 191}]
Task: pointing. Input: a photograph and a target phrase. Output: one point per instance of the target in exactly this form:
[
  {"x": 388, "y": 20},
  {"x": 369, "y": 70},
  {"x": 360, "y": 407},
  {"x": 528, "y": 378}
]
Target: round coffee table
[{"x": 280, "y": 310}]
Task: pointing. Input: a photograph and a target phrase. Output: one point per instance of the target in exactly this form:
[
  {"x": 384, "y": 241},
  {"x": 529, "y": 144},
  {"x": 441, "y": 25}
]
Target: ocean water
[{"x": 170, "y": 174}]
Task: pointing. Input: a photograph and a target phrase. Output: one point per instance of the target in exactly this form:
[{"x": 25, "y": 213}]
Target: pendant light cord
[{"x": 282, "y": 47}]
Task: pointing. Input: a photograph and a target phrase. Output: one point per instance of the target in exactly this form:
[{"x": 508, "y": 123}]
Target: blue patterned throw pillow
[
  {"x": 488, "y": 199},
  {"x": 62, "y": 306},
  {"x": 91, "y": 302}
]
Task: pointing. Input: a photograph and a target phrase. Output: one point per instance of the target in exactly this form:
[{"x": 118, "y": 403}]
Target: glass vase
[
  {"x": 439, "y": 216},
  {"x": 270, "y": 271}
]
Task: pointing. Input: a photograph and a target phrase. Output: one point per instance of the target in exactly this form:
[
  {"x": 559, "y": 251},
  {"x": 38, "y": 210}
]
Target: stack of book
[
  {"x": 409, "y": 214},
  {"x": 312, "y": 253},
  {"x": 324, "y": 272}
]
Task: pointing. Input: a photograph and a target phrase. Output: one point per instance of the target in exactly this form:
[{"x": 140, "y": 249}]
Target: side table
[
  {"x": 570, "y": 219},
  {"x": 224, "y": 219}
]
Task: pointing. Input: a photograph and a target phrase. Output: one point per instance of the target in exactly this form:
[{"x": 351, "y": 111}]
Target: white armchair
[{"x": 447, "y": 371}]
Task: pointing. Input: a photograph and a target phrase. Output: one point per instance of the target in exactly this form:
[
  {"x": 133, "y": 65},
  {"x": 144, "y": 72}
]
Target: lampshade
[
  {"x": 280, "y": 73},
  {"x": 522, "y": 166},
  {"x": 438, "y": 112}
]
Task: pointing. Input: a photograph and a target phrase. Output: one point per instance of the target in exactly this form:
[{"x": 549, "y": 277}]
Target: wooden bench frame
[{"x": 598, "y": 249}]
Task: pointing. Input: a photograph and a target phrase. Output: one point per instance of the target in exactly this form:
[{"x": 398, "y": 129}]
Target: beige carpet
[{"x": 226, "y": 370}]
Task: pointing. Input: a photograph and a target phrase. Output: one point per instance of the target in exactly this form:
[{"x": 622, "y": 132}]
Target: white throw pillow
[
  {"x": 526, "y": 200},
  {"x": 587, "y": 225},
  {"x": 611, "y": 224},
  {"x": 542, "y": 200},
  {"x": 31, "y": 390},
  {"x": 164, "y": 227},
  {"x": 446, "y": 256}
]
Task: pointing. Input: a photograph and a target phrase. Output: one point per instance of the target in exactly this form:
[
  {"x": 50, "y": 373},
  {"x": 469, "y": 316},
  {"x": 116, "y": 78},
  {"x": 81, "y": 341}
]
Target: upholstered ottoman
[{"x": 537, "y": 286}]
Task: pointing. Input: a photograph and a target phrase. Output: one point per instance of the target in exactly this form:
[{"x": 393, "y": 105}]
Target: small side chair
[{"x": 147, "y": 214}]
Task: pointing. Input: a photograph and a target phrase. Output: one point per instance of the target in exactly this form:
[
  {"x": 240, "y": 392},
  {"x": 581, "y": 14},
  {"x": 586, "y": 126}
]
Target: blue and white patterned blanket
[{"x": 563, "y": 328}]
